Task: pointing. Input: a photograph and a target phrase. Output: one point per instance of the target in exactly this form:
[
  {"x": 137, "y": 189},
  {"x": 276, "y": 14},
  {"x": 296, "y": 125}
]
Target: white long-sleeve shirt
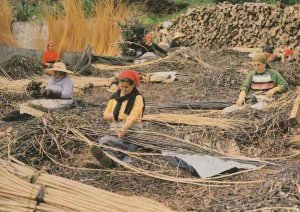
[{"x": 64, "y": 85}]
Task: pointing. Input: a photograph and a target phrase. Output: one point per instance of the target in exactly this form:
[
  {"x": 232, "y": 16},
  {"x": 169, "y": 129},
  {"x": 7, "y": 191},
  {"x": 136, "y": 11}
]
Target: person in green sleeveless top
[{"x": 263, "y": 82}]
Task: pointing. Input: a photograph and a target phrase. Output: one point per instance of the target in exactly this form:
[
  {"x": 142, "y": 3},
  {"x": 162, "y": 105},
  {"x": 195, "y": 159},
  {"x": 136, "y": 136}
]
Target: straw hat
[
  {"x": 58, "y": 66},
  {"x": 179, "y": 35},
  {"x": 261, "y": 57}
]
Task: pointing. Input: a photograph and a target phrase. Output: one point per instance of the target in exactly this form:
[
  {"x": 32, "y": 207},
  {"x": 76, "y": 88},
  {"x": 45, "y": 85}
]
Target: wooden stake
[{"x": 294, "y": 119}]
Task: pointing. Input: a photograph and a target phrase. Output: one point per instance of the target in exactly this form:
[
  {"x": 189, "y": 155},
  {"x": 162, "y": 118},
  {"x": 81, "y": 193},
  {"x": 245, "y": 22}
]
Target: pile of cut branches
[{"x": 19, "y": 67}]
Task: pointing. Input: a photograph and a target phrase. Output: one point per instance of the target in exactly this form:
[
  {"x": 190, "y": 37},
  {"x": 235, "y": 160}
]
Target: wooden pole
[{"x": 294, "y": 119}]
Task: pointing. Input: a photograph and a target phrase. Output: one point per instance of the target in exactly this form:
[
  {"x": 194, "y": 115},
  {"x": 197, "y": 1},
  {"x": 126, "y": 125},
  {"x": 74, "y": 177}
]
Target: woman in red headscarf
[
  {"x": 126, "y": 106},
  {"x": 124, "y": 110},
  {"x": 50, "y": 56}
]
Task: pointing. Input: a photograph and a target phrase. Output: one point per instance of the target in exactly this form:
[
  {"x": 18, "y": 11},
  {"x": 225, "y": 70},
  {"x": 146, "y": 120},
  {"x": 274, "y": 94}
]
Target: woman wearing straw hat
[
  {"x": 58, "y": 94},
  {"x": 59, "y": 90},
  {"x": 50, "y": 56},
  {"x": 124, "y": 110},
  {"x": 263, "y": 82}
]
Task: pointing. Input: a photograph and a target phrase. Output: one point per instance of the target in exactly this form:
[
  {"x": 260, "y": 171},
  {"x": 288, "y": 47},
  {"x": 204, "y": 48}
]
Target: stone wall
[{"x": 31, "y": 35}]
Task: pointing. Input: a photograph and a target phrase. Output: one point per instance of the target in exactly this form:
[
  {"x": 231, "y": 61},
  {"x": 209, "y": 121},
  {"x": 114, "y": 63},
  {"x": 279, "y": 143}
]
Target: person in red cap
[
  {"x": 148, "y": 50},
  {"x": 50, "y": 56},
  {"x": 149, "y": 46},
  {"x": 124, "y": 110},
  {"x": 287, "y": 54}
]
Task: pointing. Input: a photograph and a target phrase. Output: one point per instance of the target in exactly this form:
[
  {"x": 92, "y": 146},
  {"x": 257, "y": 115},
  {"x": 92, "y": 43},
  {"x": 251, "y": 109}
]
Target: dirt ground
[{"x": 266, "y": 137}]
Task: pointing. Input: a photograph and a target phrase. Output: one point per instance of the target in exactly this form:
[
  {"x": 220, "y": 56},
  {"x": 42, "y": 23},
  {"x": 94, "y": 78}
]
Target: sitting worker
[
  {"x": 50, "y": 56},
  {"x": 149, "y": 46},
  {"x": 176, "y": 42},
  {"x": 124, "y": 110},
  {"x": 263, "y": 82},
  {"x": 57, "y": 94},
  {"x": 271, "y": 57},
  {"x": 287, "y": 54},
  {"x": 148, "y": 50},
  {"x": 59, "y": 90}
]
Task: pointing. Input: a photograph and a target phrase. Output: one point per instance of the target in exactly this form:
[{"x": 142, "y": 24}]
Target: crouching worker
[
  {"x": 58, "y": 94},
  {"x": 262, "y": 82},
  {"x": 124, "y": 110},
  {"x": 149, "y": 50}
]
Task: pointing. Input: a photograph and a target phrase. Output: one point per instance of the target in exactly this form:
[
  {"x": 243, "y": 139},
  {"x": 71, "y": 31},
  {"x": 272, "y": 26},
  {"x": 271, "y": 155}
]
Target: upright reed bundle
[
  {"x": 74, "y": 35},
  {"x": 6, "y": 37},
  {"x": 72, "y": 31},
  {"x": 56, "y": 25},
  {"x": 105, "y": 29}
]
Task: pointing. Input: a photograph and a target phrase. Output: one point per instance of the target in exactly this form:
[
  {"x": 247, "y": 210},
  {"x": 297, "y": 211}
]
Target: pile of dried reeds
[
  {"x": 290, "y": 72},
  {"x": 278, "y": 192},
  {"x": 19, "y": 67},
  {"x": 6, "y": 37},
  {"x": 25, "y": 189},
  {"x": 9, "y": 101},
  {"x": 63, "y": 138}
]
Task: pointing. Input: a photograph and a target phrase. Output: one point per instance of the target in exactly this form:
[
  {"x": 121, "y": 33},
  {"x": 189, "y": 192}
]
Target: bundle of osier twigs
[
  {"x": 192, "y": 120},
  {"x": 24, "y": 189}
]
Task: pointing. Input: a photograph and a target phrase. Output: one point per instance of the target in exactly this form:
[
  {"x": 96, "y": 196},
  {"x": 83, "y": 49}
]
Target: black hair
[
  {"x": 268, "y": 49},
  {"x": 130, "y": 81}
]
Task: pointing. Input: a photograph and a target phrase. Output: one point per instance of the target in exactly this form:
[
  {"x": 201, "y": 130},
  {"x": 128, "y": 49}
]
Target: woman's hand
[
  {"x": 271, "y": 92},
  {"x": 241, "y": 98},
  {"x": 239, "y": 102},
  {"x": 121, "y": 133}
]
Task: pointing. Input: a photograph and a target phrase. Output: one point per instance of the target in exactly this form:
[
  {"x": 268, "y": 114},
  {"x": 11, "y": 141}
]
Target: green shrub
[{"x": 25, "y": 12}]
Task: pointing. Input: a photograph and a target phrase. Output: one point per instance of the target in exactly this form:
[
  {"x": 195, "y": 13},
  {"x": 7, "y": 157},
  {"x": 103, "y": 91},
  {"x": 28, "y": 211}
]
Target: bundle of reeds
[
  {"x": 213, "y": 105},
  {"x": 106, "y": 27},
  {"x": 73, "y": 31},
  {"x": 24, "y": 189},
  {"x": 195, "y": 120},
  {"x": 6, "y": 36},
  {"x": 22, "y": 85},
  {"x": 10, "y": 101}
]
